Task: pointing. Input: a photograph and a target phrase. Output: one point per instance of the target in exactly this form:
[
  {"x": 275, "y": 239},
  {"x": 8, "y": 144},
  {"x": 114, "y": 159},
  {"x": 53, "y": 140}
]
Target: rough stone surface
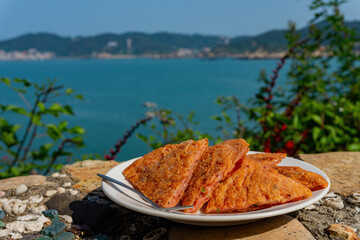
[
  {"x": 61, "y": 203},
  {"x": 85, "y": 173},
  {"x": 13, "y": 183},
  {"x": 343, "y": 232},
  {"x": 276, "y": 228},
  {"x": 65, "y": 236},
  {"x": 341, "y": 167},
  {"x": 54, "y": 229}
]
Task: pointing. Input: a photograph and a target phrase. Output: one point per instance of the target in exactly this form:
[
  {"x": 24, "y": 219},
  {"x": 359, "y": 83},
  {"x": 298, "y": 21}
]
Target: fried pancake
[
  {"x": 267, "y": 159},
  {"x": 163, "y": 174},
  {"x": 254, "y": 186},
  {"x": 216, "y": 163},
  {"x": 311, "y": 180}
]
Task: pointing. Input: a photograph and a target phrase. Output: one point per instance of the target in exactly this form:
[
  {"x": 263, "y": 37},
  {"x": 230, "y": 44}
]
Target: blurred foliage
[
  {"x": 36, "y": 146},
  {"x": 317, "y": 111}
]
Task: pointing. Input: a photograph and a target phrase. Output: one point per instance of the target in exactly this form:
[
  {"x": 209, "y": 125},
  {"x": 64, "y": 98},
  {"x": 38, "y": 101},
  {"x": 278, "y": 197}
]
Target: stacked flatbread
[{"x": 220, "y": 178}]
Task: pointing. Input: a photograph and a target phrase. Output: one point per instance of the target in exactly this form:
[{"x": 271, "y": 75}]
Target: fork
[{"x": 155, "y": 205}]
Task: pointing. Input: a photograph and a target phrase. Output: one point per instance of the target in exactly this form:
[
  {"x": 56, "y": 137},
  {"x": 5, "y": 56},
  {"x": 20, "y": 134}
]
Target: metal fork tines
[{"x": 155, "y": 205}]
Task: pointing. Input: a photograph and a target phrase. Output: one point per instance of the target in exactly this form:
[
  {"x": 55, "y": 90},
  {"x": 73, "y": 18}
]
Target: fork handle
[{"x": 127, "y": 187}]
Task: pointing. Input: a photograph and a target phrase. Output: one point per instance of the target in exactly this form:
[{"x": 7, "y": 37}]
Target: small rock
[
  {"x": 343, "y": 232},
  {"x": 62, "y": 175},
  {"x": 4, "y": 233},
  {"x": 55, "y": 175},
  {"x": 43, "y": 238},
  {"x": 18, "y": 207},
  {"x": 73, "y": 192},
  {"x": 2, "y": 225},
  {"x": 67, "y": 218},
  {"x": 36, "y": 199},
  {"x": 2, "y": 214},
  {"x": 102, "y": 202},
  {"x": 310, "y": 207},
  {"x": 21, "y": 189},
  {"x": 132, "y": 227},
  {"x": 65, "y": 236},
  {"x": 29, "y": 217},
  {"x": 357, "y": 209},
  {"x": 2, "y": 193},
  {"x": 54, "y": 229},
  {"x": 33, "y": 226},
  {"x": 355, "y": 198},
  {"x": 61, "y": 190},
  {"x": 331, "y": 195},
  {"x": 67, "y": 184},
  {"x": 6, "y": 207},
  {"x": 51, "y": 213},
  {"x": 156, "y": 234},
  {"x": 16, "y": 226},
  {"x": 37, "y": 210},
  {"x": 93, "y": 198},
  {"x": 100, "y": 237},
  {"x": 335, "y": 203},
  {"x": 15, "y": 235},
  {"x": 50, "y": 193}
]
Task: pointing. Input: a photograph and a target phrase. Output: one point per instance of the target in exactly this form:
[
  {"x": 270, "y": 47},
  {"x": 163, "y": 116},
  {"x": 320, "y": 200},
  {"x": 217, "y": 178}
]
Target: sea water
[{"x": 114, "y": 92}]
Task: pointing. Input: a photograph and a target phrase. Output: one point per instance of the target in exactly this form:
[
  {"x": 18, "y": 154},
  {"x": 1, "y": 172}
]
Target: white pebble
[
  {"x": 357, "y": 209},
  {"x": 310, "y": 207},
  {"x": 62, "y": 175},
  {"x": 73, "y": 192},
  {"x": 43, "y": 219},
  {"x": 335, "y": 203},
  {"x": 102, "y": 201},
  {"x": 50, "y": 193},
  {"x": 2, "y": 194},
  {"x": 33, "y": 226},
  {"x": 67, "y": 218},
  {"x": 93, "y": 198},
  {"x": 37, "y": 210},
  {"x": 16, "y": 226},
  {"x": 28, "y": 217},
  {"x": 15, "y": 235},
  {"x": 6, "y": 207},
  {"x": 15, "y": 207},
  {"x": 61, "y": 190},
  {"x": 331, "y": 195},
  {"x": 55, "y": 175},
  {"x": 67, "y": 184},
  {"x": 21, "y": 189},
  {"x": 36, "y": 199},
  {"x": 4, "y": 232}
]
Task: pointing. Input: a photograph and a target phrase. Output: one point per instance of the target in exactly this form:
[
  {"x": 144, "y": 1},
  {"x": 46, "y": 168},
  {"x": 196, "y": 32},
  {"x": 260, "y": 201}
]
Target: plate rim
[{"x": 228, "y": 217}]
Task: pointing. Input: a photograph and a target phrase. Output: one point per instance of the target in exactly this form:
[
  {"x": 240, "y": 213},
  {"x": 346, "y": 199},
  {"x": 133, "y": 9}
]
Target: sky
[{"x": 215, "y": 17}]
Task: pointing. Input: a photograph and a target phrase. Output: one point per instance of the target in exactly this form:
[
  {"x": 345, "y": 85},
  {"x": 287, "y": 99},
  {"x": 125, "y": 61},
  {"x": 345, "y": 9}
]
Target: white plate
[{"x": 134, "y": 202}]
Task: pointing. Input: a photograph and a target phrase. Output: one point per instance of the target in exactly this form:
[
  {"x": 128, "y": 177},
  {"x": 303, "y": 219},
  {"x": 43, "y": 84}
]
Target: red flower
[
  {"x": 290, "y": 145},
  {"x": 283, "y": 127}
]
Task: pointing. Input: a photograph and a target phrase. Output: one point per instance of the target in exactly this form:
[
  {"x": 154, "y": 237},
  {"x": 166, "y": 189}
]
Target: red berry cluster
[{"x": 117, "y": 147}]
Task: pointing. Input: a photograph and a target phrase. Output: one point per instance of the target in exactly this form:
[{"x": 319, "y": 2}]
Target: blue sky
[{"x": 220, "y": 17}]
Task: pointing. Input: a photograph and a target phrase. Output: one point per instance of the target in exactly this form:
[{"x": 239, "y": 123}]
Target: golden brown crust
[
  {"x": 254, "y": 186},
  {"x": 163, "y": 174},
  {"x": 311, "y": 180},
  {"x": 267, "y": 159},
  {"x": 216, "y": 163}
]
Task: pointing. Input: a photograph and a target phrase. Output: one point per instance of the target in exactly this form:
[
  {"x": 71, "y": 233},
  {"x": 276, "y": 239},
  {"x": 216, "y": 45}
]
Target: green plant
[
  {"x": 22, "y": 150},
  {"x": 318, "y": 110}
]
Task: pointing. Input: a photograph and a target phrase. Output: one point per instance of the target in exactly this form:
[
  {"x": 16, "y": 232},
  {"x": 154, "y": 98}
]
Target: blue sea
[{"x": 115, "y": 90}]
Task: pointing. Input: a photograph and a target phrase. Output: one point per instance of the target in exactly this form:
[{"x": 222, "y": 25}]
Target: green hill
[{"x": 143, "y": 43}]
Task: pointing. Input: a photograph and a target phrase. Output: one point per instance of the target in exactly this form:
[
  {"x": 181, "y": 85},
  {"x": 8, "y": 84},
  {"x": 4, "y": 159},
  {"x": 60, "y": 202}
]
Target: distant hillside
[
  {"x": 142, "y": 43},
  {"x": 271, "y": 41}
]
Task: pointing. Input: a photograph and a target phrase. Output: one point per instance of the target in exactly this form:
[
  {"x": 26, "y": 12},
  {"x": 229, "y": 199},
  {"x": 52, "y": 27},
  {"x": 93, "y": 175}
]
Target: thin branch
[
  {"x": 25, "y": 100},
  {"x": 121, "y": 142},
  {"x": 55, "y": 154}
]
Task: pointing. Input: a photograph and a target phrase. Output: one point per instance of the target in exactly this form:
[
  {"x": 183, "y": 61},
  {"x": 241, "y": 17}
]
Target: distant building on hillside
[
  {"x": 112, "y": 44},
  {"x": 128, "y": 43}
]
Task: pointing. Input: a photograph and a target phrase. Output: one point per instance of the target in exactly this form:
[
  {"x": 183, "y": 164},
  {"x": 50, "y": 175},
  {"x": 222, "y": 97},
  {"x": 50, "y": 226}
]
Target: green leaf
[
  {"x": 316, "y": 132},
  {"x": 68, "y": 110},
  {"x": 53, "y": 132},
  {"x": 69, "y": 91},
  {"x": 41, "y": 106},
  {"x": 63, "y": 125},
  {"x": 79, "y": 96},
  {"x": 317, "y": 119},
  {"x": 77, "y": 130},
  {"x": 56, "y": 107},
  {"x": 16, "y": 109},
  {"x": 353, "y": 147},
  {"x": 6, "y": 81},
  {"x": 217, "y": 118}
]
